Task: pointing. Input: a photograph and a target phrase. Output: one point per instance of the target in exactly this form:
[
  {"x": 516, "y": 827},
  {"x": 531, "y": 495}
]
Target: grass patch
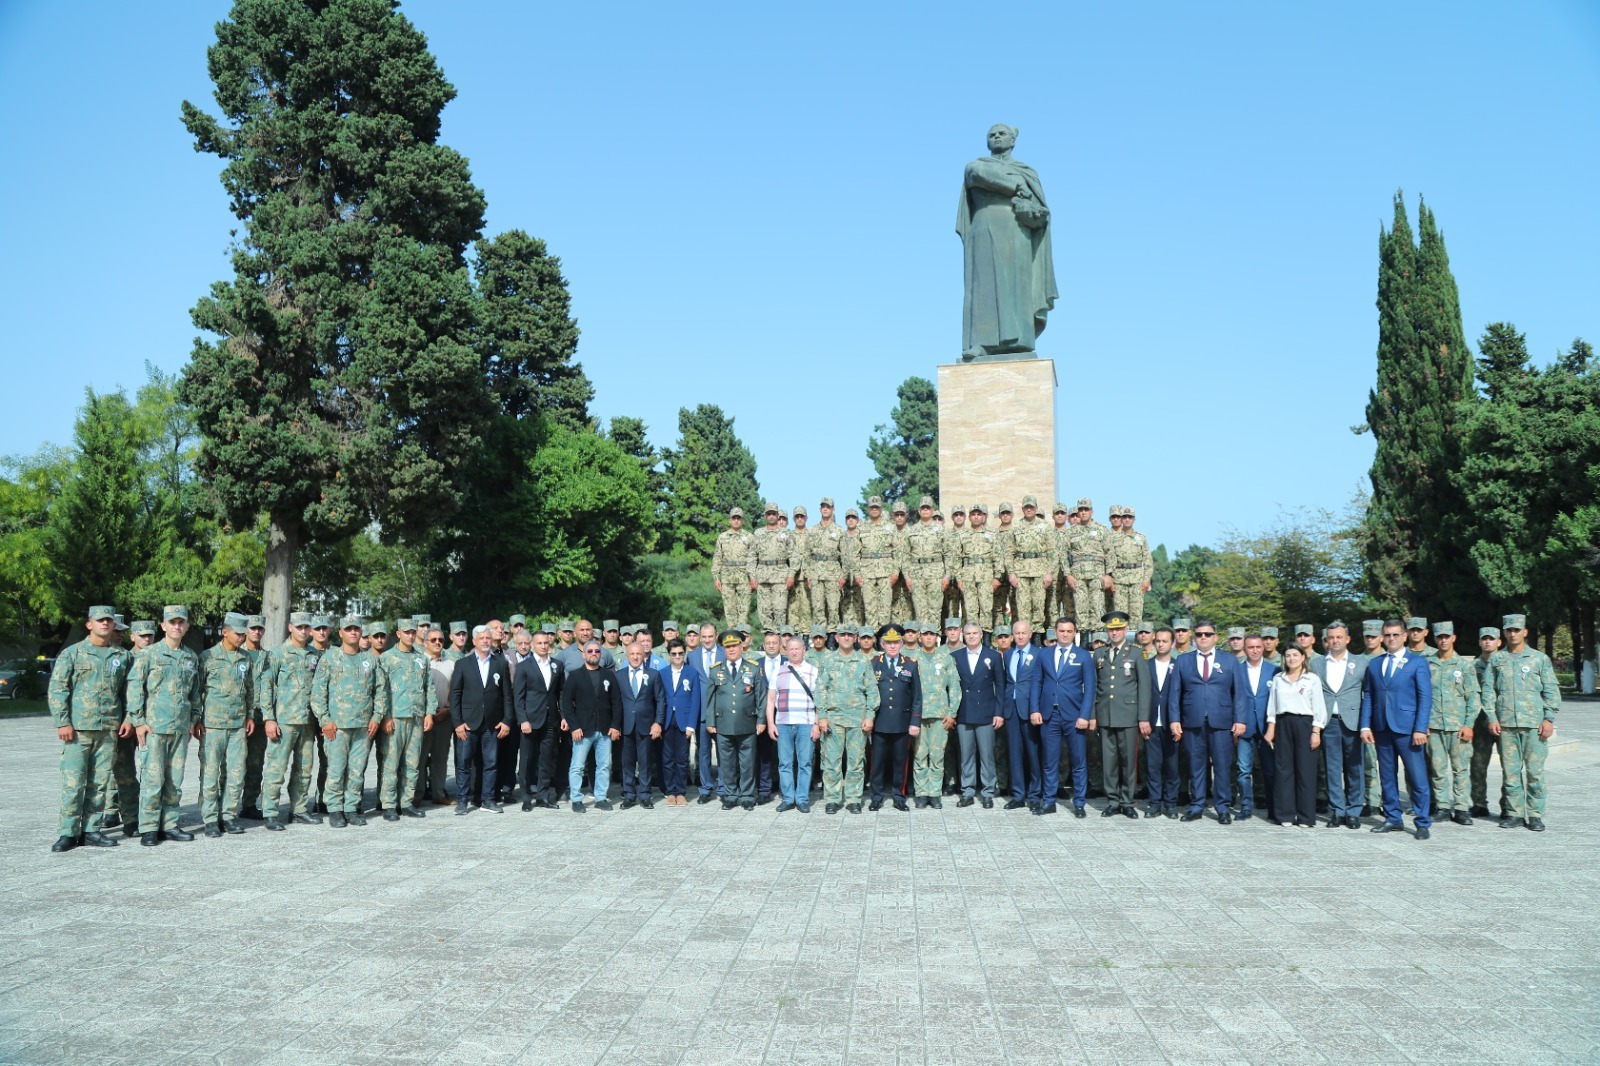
[{"x": 15, "y": 707}]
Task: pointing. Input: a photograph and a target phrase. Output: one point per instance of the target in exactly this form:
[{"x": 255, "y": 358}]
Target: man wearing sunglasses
[{"x": 1206, "y": 706}]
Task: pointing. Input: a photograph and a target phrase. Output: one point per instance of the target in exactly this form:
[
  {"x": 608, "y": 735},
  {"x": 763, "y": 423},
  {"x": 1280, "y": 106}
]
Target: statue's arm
[{"x": 983, "y": 174}]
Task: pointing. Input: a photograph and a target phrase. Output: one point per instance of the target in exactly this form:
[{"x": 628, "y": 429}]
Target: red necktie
[{"x": 1205, "y": 667}]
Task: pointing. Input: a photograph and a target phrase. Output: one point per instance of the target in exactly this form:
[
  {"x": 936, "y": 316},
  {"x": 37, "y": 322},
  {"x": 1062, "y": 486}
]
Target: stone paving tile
[{"x": 700, "y": 937}]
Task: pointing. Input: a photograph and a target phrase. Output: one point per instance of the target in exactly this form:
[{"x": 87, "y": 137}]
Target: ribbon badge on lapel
[
  {"x": 497, "y": 677},
  {"x": 605, "y": 684}
]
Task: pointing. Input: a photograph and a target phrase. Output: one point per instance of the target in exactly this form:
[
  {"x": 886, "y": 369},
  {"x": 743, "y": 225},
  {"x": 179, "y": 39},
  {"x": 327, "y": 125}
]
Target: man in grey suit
[{"x": 1341, "y": 672}]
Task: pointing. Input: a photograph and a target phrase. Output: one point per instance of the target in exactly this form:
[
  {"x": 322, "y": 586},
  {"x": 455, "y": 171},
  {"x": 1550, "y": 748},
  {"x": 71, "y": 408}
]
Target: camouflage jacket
[
  {"x": 88, "y": 686},
  {"x": 941, "y": 685},
  {"x": 925, "y": 550},
  {"x": 285, "y": 692},
  {"x": 164, "y": 689},
  {"x": 346, "y": 691},
  {"x": 407, "y": 681},
  {"x": 227, "y": 688},
  {"x": 847, "y": 693},
  {"x": 1456, "y": 702},
  {"x": 1032, "y": 551},
  {"x": 1520, "y": 690}
]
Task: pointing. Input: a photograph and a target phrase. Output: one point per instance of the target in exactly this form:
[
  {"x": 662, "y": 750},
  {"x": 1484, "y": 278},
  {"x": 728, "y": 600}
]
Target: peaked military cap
[
  {"x": 1115, "y": 619},
  {"x": 172, "y": 611},
  {"x": 235, "y": 621},
  {"x": 458, "y": 627},
  {"x": 1030, "y": 500},
  {"x": 730, "y": 639},
  {"x": 827, "y": 501},
  {"x": 1488, "y": 631},
  {"x": 255, "y": 621},
  {"x": 1416, "y": 622},
  {"x": 100, "y": 611},
  {"x": 1514, "y": 621},
  {"x": 889, "y": 632}
]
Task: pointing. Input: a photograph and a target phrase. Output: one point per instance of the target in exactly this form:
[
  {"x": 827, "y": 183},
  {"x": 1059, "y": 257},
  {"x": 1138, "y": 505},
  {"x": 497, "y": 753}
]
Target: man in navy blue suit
[
  {"x": 680, "y": 721},
  {"x": 1161, "y": 747},
  {"x": 1064, "y": 716},
  {"x": 703, "y": 659},
  {"x": 983, "y": 690},
  {"x": 1205, "y": 704},
  {"x": 1253, "y": 747},
  {"x": 644, "y": 709},
  {"x": 1396, "y": 700},
  {"x": 1023, "y": 676}
]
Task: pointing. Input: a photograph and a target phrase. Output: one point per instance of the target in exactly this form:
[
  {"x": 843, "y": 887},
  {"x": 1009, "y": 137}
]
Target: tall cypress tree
[
  {"x": 905, "y": 453},
  {"x": 339, "y": 385},
  {"x": 1416, "y": 528}
]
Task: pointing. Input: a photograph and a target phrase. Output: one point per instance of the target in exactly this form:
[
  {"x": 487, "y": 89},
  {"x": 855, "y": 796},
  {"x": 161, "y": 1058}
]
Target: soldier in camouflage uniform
[
  {"x": 1483, "y": 741},
  {"x": 1031, "y": 562},
  {"x": 1456, "y": 705},
  {"x": 1521, "y": 698},
  {"x": 1131, "y": 565},
  {"x": 730, "y": 570},
  {"x": 255, "y": 743},
  {"x": 941, "y": 697},
  {"x": 924, "y": 563},
  {"x": 1269, "y": 644},
  {"x": 1417, "y": 638},
  {"x": 1005, "y": 597},
  {"x": 86, "y": 704},
  {"x": 406, "y": 676},
  {"x": 799, "y": 609},
  {"x": 1088, "y": 545},
  {"x": 977, "y": 567},
  {"x": 847, "y": 697},
  {"x": 879, "y": 565},
  {"x": 227, "y": 698},
  {"x": 347, "y": 699},
  {"x": 852, "y": 608},
  {"x": 284, "y": 697},
  {"x": 900, "y": 590},
  {"x": 1057, "y": 596},
  {"x": 458, "y": 641},
  {"x": 121, "y": 803},
  {"x": 775, "y": 568},
  {"x": 164, "y": 708},
  {"x": 822, "y": 566},
  {"x": 953, "y": 535}
]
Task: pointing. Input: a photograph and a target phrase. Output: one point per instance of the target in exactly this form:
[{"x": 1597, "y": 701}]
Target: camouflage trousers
[
  {"x": 1483, "y": 750},
  {"x": 1129, "y": 598},
  {"x": 255, "y": 761},
  {"x": 161, "y": 780},
  {"x": 347, "y": 770},
  {"x": 799, "y": 606},
  {"x": 1090, "y": 600},
  {"x": 899, "y": 601},
  {"x": 221, "y": 774},
  {"x": 735, "y": 601},
  {"x": 927, "y": 597},
  {"x": 1030, "y": 601},
  {"x": 85, "y": 768},
  {"x": 1004, "y": 610},
  {"x": 876, "y": 601},
  {"x": 122, "y": 787},
  {"x": 1058, "y": 601},
  {"x": 843, "y": 745},
  {"x": 927, "y": 760},
  {"x": 433, "y": 762},
  {"x": 1449, "y": 769},
  {"x": 1522, "y": 755},
  {"x": 976, "y": 589},
  {"x": 954, "y": 606},
  {"x": 772, "y": 606},
  {"x": 852, "y": 609},
  {"x": 400, "y": 764},
  {"x": 825, "y": 600},
  {"x": 297, "y": 743}
]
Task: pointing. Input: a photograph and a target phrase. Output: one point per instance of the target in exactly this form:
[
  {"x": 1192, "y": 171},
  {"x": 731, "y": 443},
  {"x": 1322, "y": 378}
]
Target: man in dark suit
[
  {"x": 899, "y": 718},
  {"x": 1063, "y": 717},
  {"x": 1206, "y": 708},
  {"x": 702, "y": 659},
  {"x": 1122, "y": 681},
  {"x": 1161, "y": 746},
  {"x": 1023, "y": 676},
  {"x": 982, "y": 711},
  {"x": 680, "y": 721},
  {"x": 1396, "y": 701},
  {"x": 536, "y": 693},
  {"x": 1253, "y": 747},
  {"x": 1342, "y": 672},
  {"x": 481, "y": 707},
  {"x": 644, "y": 709},
  {"x": 591, "y": 713}
]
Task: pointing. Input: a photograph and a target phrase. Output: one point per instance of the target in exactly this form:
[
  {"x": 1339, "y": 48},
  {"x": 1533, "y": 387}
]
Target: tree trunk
[{"x": 277, "y": 589}]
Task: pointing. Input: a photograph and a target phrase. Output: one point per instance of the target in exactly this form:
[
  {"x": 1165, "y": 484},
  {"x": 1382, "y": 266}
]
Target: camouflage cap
[
  {"x": 978, "y": 508},
  {"x": 827, "y": 501},
  {"x": 669, "y": 624},
  {"x": 1444, "y": 629},
  {"x": 1147, "y": 627},
  {"x": 926, "y": 501},
  {"x": 785, "y": 631},
  {"x": 851, "y": 512},
  {"x": 1514, "y": 621},
  {"x": 783, "y": 516},
  {"x": 800, "y": 511},
  {"x": 458, "y": 627},
  {"x": 913, "y": 626},
  {"x": 1182, "y": 623},
  {"x": 565, "y": 625},
  {"x": 1085, "y": 504},
  {"x": 405, "y": 625},
  {"x": 1416, "y": 622},
  {"x": 100, "y": 610},
  {"x": 1269, "y": 631},
  {"x": 548, "y": 627},
  {"x": 372, "y": 629},
  {"x": 626, "y": 631},
  {"x": 772, "y": 508},
  {"x": 1006, "y": 508},
  {"x": 899, "y": 507},
  {"x": 1031, "y": 500},
  {"x": 322, "y": 621},
  {"x": 957, "y": 509},
  {"x": 1002, "y": 630},
  {"x": 1127, "y": 511},
  {"x": 116, "y": 620},
  {"x": 1305, "y": 629},
  {"x": 819, "y": 631},
  {"x": 938, "y": 516},
  {"x": 952, "y": 623},
  {"x": 423, "y": 620},
  {"x": 1099, "y": 637},
  {"x": 874, "y": 501},
  {"x": 1236, "y": 632},
  {"x": 300, "y": 618},
  {"x": 608, "y": 625},
  {"x": 736, "y": 512},
  {"x": 255, "y": 621},
  {"x": 743, "y": 628},
  {"x": 518, "y": 620},
  {"x": 1114, "y": 511},
  {"x": 865, "y": 632},
  {"x": 143, "y": 626},
  {"x": 1489, "y": 631},
  {"x": 235, "y": 621},
  {"x": 1372, "y": 627},
  {"x": 174, "y": 610}
]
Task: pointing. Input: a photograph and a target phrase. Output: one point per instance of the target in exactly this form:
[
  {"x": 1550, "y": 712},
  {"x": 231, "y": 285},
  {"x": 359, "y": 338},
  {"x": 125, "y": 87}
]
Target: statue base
[{"x": 997, "y": 434}]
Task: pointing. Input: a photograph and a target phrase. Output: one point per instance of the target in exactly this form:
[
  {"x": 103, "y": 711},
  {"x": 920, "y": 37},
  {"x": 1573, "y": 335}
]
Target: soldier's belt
[
  {"x": 925, "y": 561},
  {"x": 772, "y": 562},
  {"x": 1076, "y": 559},
  {"x": 824, "y": 558},
  {"x": 877, "y": 555},
  {"x": 1031, "y": 555},
  {"x": 1130, "y": 566},
  {"x": 740, "y": 565}
]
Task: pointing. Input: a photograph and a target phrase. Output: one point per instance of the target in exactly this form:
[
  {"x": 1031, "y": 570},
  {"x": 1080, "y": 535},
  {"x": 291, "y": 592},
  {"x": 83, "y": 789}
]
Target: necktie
[
  {"x": 635, "y": 682},
  {"x": 1058, "y": 660},
  {"x": 1205, "y": 667},
  {"x": 1392, "y": 665}
]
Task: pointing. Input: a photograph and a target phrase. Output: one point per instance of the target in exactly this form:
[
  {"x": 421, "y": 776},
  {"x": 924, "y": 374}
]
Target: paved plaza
[{"x": 690, "y": 935}]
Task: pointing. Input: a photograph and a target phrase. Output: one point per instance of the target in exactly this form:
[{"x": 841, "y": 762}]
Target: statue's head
[{"x": 1002, "y": 138}]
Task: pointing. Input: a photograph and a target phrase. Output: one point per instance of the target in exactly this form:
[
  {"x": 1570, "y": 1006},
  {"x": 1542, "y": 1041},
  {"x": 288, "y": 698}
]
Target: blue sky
[{"x": 754, "y": 205}]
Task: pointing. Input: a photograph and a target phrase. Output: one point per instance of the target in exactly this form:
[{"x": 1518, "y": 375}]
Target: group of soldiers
[
  {"x": 887, "y": 698},
  {"x": 873, "y": 571}
]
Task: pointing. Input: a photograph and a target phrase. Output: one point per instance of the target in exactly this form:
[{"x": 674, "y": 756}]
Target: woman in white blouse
[{"x": 1296, "y": 714}]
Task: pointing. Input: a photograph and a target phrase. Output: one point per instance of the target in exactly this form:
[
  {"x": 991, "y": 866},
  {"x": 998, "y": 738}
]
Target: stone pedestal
[{"x": 997, "y": 435}]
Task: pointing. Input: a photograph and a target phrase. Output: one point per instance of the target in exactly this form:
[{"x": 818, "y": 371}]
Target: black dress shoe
[
  {"x": 252, "y": 813},
  {"x": 1129, "y": 812},
  {"x": 131, "y": 829},
  {"x": 1191, "y": 816},
  {"x": 64, "y": 844},
  {"x": 1012, "y": 805},
  {"x": 413, "y": 812},
  {"x": 832, "y": 808},
  {"x": 178, "y": 834},
  {"x": 1388, "y": 827},
  {"x": 1048, "y": 808},
  {"x": 1225, "y": 818},
  {"x": 729, "y": 804},
  {"x": 599, "y": 805},
  {"x": 988, "y": 803},
  {"x": 706, "y": 797},
  {"x": 355, "y": 818},
  {"x": 876, "y": 805},
  {"x": 919, "y": 802},
  {"x": 853, "y": 808},
  {"x": 1478, "y": 810},
  {"x": 784, "y": 806},
  {"x": 527, "y": 805},
  {"x": 1336, "y": 821},
  {"x": 307, "y": 819},
  {"x": 748, "y": 806},
  {"x": 1244, "y": 816},
  {"x": 936, "y": 803},
  {"x": 98, "y": 840},
  {"x": 1511, "y": 823},
  {"x": 629, "y": 803},
  {"x": 1152, "y": 812},
  {"x": 1111, "y": 809},
  {"x": 577, "y": 807},
  {"x": 900, "y": 804},
  {"x": 391, "y": 816},
  {"x": 648, "y": 805},
  {"x": 274, "y": 825},
  {"x": 1536, "y": 824},
  {"x": 1461, "y": 817},
  {"x": 1077, "y": 812},
  {"x": 1352, "y": 822},
  {"x": 149, "y": 840},
  {"x": 213, "y": 830},
  {"x": 764, "y": 800},
  {"x": 965, "y": 801},
  {"x": 1422, "y": 832},
  {"x": 1170, "y": 812}
]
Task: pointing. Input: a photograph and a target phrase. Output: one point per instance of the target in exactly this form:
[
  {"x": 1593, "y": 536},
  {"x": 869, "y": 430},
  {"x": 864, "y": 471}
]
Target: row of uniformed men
[{"x": 868, "y": 572}]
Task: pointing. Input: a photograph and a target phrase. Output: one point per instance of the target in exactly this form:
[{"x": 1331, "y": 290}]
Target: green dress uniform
[
  {"x": 346, "y": 694},
  {"x": 87, "y": 692},
  {"x": 1122, "y": 690},
  {"x": 163, "y": 696},
  {"x": 733, "y": 703},
  {"x": 285, "y": 698},
  {"x": 1456, "y": 705},
  {"x": 941, "y": 697},
  {"x": 847, "y": 695},
  {"x": 1521, "y": 693},
  {"x": 409, "y": 681},
  {"x": 227, "y": 697}
]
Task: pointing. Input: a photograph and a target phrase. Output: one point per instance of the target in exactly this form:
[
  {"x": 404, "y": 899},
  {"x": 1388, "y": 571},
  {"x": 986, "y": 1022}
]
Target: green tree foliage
[
  {"x": 340, "y": 385},
  {"x": 525, "y": 333},
  {"x": 709, "y": 473},
  {"x": 905, "y": 453},
  {"x": 1414, "y": 539},
  {"x": 29, "y": 486},
  {"x": 629, "y": 434}
]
